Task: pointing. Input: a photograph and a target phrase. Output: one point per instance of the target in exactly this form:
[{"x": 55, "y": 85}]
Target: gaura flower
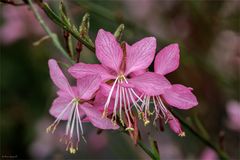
[
  {"x": 175, "y": 126},
  {"x": 208, "y": 154},
  {"x": 117, "y": 63},
  {"x": 73, "y": 105},
  {"x": 176, "y": 95},
  {"x": 233, "y": 111}
]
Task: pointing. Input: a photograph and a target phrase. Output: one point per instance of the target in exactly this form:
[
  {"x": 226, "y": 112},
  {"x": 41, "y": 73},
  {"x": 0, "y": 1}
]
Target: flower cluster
[{"x": 113, "y": 92}]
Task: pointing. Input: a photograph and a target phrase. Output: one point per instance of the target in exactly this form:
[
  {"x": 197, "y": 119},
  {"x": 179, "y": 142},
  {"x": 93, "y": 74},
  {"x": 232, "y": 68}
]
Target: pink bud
[{"x": 175, "y": 125}]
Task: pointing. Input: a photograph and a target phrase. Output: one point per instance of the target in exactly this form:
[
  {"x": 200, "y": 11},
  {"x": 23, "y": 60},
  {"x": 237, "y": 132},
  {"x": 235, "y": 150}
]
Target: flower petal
[
  {"x": 88, "y": 85},
  {"x": 80, "y": 70},
  {"x": 150, "y": 83},
  {"x": 108, "y": 50},
  {"x": 105, "y": 90},
  {"x": 180, "y": 97},
  {"x": 96, "y": 117},
  {"x": 140, "y": 55},
  {"x": 176, "y": 127},
  {"x": 58, "y": 77},
  {"x": 100, "y": 101},
  {"x": 167, "y": 60},
  {"x": 137, "y": 73},
  {"x": 58, "y": 105}
]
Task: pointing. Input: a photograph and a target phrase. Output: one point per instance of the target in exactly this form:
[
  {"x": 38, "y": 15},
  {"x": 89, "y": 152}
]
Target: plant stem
[
  {"x": 149, "y": 152},
  {"x": 52, "y": 35},
  {"x": 222, "y": 155}
]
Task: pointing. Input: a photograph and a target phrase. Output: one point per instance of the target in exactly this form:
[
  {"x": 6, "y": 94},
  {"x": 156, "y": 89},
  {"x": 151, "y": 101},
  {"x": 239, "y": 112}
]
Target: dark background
[{"x": 208, "y": 35}]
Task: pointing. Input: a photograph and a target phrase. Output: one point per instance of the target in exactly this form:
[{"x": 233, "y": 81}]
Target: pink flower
[
  {"x": 233, "y": 110},
  {"x": 72, "y": 104},
  {"x": 175, "y": 126},
  {"x": 208, "y": 154},
  {"x": 19, "y": 22},
  {"x": 117, "y": 63},
  {"x": 156, "y": 87}
]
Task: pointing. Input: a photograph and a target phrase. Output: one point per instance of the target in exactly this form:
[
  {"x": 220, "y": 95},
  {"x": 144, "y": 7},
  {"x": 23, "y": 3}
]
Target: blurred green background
[{"x": 208, "y": 34}]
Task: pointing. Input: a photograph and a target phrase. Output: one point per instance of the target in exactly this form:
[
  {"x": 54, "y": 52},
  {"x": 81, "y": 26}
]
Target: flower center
[
  {"x": 74, "y": 124},
  {"x": 124, "y": 98}
]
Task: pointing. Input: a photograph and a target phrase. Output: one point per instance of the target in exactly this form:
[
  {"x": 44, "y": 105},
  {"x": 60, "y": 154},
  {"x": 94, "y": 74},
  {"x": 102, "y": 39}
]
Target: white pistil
[{"x": 74, "y": 121}]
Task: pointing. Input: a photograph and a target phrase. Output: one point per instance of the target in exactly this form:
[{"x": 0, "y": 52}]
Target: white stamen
[
  {"x": 120, "y": 104},
  {"x": 110, "y": 94},
  {"x": 125, "y": 107},
  {"x": 116, "y": 102},
  {"x": 128, "y": 103},
  {"x": 132, "y": 90},
  {"x": 73, "y": 121},
  {"x": 69, "y": 120}
]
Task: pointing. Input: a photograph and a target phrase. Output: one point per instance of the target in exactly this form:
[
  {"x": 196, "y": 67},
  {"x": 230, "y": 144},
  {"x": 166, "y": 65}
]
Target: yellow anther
[
  {"x": 104, "y": 115},
  {"x": 129, "y": 129},
  {"x": 182, "y": 134},
  {"x": 122, "y": 122},
  {"x": 146, "y": 122},
  {"x": 72, "y": 150}
]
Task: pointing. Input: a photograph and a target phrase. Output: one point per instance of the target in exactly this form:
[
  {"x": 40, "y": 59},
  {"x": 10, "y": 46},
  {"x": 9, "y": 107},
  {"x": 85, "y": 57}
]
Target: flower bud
[{"x": 175, "y": 126}]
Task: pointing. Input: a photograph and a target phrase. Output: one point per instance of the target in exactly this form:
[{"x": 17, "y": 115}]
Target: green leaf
[
  {"x": 52, "y": 15},
  {"x": 63, "y": 14}
]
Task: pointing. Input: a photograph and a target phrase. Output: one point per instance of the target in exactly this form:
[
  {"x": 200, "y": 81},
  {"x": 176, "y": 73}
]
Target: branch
[
  {"x": 222, "y": 155},
  {"x": 52, "y": 35}
]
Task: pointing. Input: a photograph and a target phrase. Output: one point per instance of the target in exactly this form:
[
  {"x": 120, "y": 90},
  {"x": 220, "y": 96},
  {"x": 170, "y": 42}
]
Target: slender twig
[
  {"x": 222, "y": 155},
  {"x": 52, "y": 35},
  {"x": 149, "y": 152},
  {"x": 12, "y": 3}
]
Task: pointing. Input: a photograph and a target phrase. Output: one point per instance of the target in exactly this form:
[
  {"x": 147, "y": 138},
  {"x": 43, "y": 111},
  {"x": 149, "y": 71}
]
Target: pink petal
[
  {"x": 137, "y": 73},
  {"x": 175, "y": 126},
  {"x": 100, "y": 101},
  {"x": 233, "y": 112},
  {"x": 88, "y": 85},
  {"x": 58, "y": 77},
  {"x": 180, "y": 97},
  {"x": 105, "y": 89},
  {"x": 209, "y": 154},
  {"x": 80, "y": 70},
  {"x": 140, "y": 55},
  {"x": 150, "y": 83},
  {"x": 58, "y": 106},
  {"x": 108, "y": 50},
  {"x": 96, "y": 117},
  {"x": 167, "y": 60}
]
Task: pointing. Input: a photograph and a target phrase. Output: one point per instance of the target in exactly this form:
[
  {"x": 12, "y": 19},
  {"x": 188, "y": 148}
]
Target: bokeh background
[{"x": 208, "y": 35}]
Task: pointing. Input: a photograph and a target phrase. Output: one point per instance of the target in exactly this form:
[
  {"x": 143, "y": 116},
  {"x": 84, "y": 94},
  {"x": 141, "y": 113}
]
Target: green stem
[
  {"x": 222, "y": 155},
  {"x": 52, "y": 35},
  {"x": 149, "y": 152},
  {"x": 66, "y": 26}
]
